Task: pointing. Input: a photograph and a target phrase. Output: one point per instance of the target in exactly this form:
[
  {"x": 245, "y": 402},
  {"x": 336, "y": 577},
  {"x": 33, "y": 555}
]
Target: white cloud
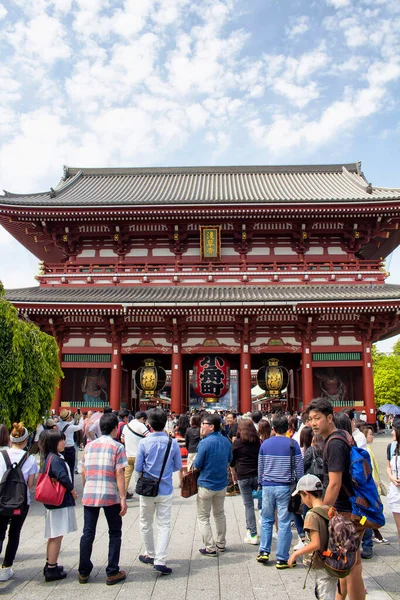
[
  {"x": 298, "y": 27},
  {"x": 338, "y": 3},
  {"x": 3, "y": 11}
]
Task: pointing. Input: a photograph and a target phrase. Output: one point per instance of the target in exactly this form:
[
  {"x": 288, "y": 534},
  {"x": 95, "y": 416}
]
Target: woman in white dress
[
  {"x": 393, "y": 470},
  {"x": 60, "y": 520}
]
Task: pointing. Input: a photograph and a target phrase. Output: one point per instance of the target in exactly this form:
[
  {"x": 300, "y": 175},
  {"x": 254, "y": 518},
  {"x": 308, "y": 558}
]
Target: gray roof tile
[
  {"x": 206, "y": 185},
  {"x": 209, "y": 294}
]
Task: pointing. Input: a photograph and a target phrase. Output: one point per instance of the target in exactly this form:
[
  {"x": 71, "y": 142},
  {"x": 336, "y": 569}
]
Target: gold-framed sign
[{"x": 210, "y": 242}]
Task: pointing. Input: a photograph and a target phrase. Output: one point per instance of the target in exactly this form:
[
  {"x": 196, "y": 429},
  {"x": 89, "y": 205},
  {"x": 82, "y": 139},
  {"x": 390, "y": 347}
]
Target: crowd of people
[{"x": 266, "y": 459}]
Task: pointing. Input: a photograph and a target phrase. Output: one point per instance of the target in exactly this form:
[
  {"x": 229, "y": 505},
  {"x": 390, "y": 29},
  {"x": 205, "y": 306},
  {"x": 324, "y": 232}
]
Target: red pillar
[
  {"x": 116, "y": 373},
  {"x": 306, "y": 374},
  {"x": 56, "y": 402},
  {"x": 176, "y": 379},
  {"x": 245, "y": 380},
  {"x": 368, "y": 384}
]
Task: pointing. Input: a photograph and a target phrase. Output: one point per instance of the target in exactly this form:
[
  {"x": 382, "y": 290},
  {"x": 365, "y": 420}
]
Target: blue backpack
[{"x": 366, "y": 507}]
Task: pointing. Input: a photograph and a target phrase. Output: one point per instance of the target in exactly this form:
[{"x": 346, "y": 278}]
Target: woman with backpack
[
  {"x": 15, "y": 454},
  {"x": 393, "y": 470},
  {"x": 59, "y": 520}
]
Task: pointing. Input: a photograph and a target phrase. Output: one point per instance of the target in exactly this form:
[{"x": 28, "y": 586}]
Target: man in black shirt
[{"x": 338, "y": 481}]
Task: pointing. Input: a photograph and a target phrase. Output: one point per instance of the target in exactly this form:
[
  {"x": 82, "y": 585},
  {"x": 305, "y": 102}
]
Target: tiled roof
[
  {"x": 208, "y": 295},
  {"x": 206, "y": 185}
]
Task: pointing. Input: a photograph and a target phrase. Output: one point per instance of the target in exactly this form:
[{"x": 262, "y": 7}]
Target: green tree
[
  {"x": 29, "y": 368},
  {"x": 387, "y": 376}
]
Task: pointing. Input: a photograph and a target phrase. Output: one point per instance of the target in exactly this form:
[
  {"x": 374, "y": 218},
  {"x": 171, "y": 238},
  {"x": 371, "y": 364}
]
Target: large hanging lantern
[
  {"x": 273, "y": 378},
  {"x": 211, "y": 377},
  {"x": 150, "y": 378}
]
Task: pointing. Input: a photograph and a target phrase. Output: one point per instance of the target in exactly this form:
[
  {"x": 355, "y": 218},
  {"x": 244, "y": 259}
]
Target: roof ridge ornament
[
  {"x": 65, "y": 173},
  {"x": 369, "y": 189}
]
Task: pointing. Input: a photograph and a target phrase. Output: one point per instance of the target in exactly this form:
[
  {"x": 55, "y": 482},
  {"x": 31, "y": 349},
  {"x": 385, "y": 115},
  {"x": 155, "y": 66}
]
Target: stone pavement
[{"x": 234, "y": 574}]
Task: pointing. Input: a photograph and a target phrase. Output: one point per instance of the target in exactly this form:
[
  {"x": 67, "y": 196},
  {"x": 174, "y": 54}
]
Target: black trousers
[
  {"x": 69, "y": 455},
  {"x": 14, "y": 531}
]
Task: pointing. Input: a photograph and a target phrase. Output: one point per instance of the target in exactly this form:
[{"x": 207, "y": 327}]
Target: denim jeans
[
  {"x": 114, "y": 521},
  {"x": 246, "y": 487},
  {"x": 367, "y": 544},
  {"x": 276, "y": 498}
]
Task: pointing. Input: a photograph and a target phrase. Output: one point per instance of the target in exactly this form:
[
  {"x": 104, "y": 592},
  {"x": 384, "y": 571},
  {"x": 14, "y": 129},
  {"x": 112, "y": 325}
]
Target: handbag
[
  {"x": 49, "y": 490},
  {"x": 294, "y": 501},
  {"x": 189, "y": 483},
  {"x": 147, "y": 486},
  {"x": 383, "y": 491}
]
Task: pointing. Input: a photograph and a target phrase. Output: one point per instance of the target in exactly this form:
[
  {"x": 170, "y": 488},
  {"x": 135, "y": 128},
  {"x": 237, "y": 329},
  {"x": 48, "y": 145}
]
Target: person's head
[
  {"x": 351, "y": 414},
  {"x": 123, "y": 415},
  {"x": 396, "y": 435},
  {"x": 305, "y": 415},
  {"x": 292, "y": 421},
  {"x": 230, "y": 419},
  {"x": 321, "y": 417},
  {"x": 306, "y": 436},
  {"x": 183, "y": 424},
  {"x": 247, "y": 432},
  {"x": 195, "y": 421},
  {"x": 210, "y": 424},
  {"x": 107, "y": 410},
  {"x": 19, "y": 435},
  {"x": 89, "y": 414},
  {"x": 309, "y": 487},
  {"x": 141, "y": 415},
  {"x": 280, "y": 425},
  {"x": 368, "y": 431},
  {"x": 49, "y": 423},
  {"x": 157, "y": 418},
  {"x": 342, "y": 421},
  {"x": 264, "y": 429},
  {"x": 109, "y": 424},
  {"x": 53, "y": 441},
  {"x": 4, "y": 436},
  {"x": 65, "y": 415},
  {"x": 256, "y": 416}
]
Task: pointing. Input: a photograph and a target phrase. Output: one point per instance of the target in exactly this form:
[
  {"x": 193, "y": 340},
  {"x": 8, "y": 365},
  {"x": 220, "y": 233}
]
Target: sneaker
[
  {"x": 83, "y": 578},
  {"x": 251, "y": 539},
  {"x": 300, "y": 544},
  {"x": 6, "y": 573},
  {"x": 113, "y": 579},
  {"x": 366, "y": 555},
  {"x": 263, "y": 557},
  {"x": 147, "y": 560},
  {"x": 162, "y": 569},
  {"x": 220, "y": 548},
  {"x": 129, "y": 495},
  {"x": 274, "y": 535},
  {"x": 381, "y": 541},
  {"x": 206, "y": 552},
  {"x": 54, "y": 574},
  {"x": 47, "y": 564},
  {"x": 282, "y": 564}
]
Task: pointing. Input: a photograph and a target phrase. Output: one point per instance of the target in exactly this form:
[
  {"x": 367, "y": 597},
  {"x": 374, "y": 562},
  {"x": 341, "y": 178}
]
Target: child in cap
[{"x": 310, "y": 489}]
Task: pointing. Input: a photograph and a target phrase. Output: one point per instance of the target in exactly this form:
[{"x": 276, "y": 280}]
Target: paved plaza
[{"x": 234, "y": 574}]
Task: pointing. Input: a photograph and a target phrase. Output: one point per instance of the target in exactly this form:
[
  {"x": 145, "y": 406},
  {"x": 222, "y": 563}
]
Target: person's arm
[
  {"x": 83, "y": 476},
  {"x": 31, "y": 481},
  {"x": 333, "y": 489},
  {"x": 309, "y": 548},
  {"x": 78, "y": 426},
  {"x": 120, "y": 479},
  {"x": 200, "y": 457},
  {"x": 187, "y": 441}
]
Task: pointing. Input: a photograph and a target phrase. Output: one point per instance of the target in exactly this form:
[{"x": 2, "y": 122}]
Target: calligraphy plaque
[{"x": 210, "y": 242}]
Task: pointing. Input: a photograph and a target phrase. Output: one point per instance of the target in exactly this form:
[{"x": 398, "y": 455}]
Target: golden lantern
[
  {"x": 150, "y": 378},
  {"x": 272, "y": 378}
]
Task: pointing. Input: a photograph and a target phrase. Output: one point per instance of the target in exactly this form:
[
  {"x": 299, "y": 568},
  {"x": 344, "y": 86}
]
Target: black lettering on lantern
[{"x": 212, "y": 376}]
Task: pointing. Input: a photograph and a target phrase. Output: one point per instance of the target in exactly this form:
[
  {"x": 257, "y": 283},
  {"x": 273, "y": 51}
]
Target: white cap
[{"x": 308, "y": 483}]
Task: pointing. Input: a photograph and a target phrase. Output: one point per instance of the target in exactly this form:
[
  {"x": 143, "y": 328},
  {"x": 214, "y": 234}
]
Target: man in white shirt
[
  {"x": 68, "y": 428},
  {"x": 132, "y": 433},
  {"x": 358, "y": 436}
]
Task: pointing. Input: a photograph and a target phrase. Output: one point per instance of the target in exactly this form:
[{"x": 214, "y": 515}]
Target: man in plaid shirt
[{"x": 103, "y": 478}]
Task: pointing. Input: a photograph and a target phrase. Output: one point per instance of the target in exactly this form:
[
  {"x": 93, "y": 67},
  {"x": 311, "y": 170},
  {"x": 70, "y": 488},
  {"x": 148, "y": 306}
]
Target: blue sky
[{"x": 194, "y": 82}]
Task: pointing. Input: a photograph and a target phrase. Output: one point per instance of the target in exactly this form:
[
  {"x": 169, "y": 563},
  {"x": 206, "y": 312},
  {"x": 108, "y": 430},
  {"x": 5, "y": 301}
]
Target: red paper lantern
[{"x": 211, "y": 376}]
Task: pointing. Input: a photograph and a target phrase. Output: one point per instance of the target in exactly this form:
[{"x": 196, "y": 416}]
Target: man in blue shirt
[
  {"x": 214, "y": 453},
  {"x": 149, "y": 461},
  {"x": 276, "y": 471}
]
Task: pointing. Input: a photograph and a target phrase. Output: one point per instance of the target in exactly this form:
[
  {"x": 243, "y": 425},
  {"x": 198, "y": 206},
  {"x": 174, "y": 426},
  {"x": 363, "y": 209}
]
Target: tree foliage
[
  {"x": 29, "y": 368},
  {"x": 387, "y": 376}
]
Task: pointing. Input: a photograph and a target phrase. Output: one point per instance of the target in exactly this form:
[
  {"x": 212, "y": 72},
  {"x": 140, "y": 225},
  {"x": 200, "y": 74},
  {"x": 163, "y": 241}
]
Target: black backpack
[
  {"x": 13, "y": 487},
  {"x": 317, "y": 465}
]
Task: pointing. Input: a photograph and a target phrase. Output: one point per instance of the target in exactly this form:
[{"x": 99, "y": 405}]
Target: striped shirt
[
  {"x": 101, "y": 460},
  {"x": 274, "y": 462}
]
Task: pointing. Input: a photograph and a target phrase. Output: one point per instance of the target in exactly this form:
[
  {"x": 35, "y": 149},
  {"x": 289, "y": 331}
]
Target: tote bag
[{"x": 49, "y": 490}]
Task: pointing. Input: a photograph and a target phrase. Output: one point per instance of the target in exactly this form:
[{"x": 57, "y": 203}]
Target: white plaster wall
[
  {"x": 263, "y": 251},
  {"x": 314, "y": 250},
  {"x": 348, "y": 340},
  {"x": 228, "y": 252},
  {"x": 107, "y": 252},
  {"x": 99, "y": 343},
  {"x": 324, "y": 341},
  {"x": 162, "y": 252},
  {"x": 138, "y": 252},
  {"x": 284, "y": 251},
  {"x": 191, "y": 252},
  {"x": 74, "y": 343},
  {"x": 336, "y": 250},
  {"x": 87, "y": 253}
]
